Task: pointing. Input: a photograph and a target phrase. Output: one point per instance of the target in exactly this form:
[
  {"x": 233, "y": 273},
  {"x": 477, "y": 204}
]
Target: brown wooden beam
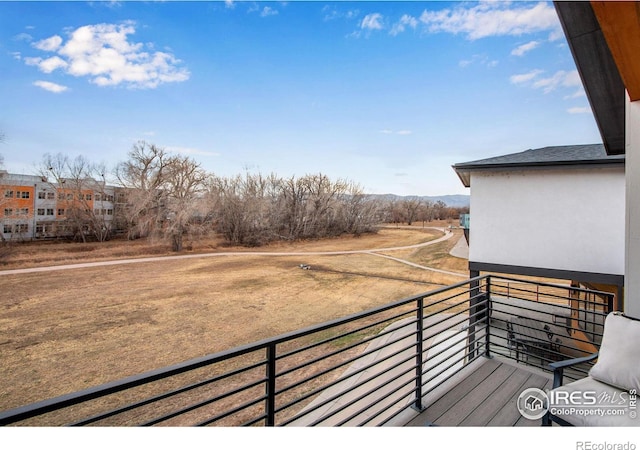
[{"x": 620, "y": 24}]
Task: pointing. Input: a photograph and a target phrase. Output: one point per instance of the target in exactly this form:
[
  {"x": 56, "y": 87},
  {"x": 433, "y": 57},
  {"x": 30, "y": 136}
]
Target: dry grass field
[{"x": 61, "y": 331}]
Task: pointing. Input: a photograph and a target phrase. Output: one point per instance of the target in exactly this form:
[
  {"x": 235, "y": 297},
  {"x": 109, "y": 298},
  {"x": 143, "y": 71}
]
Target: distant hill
[{"x": 454, "y": 201}]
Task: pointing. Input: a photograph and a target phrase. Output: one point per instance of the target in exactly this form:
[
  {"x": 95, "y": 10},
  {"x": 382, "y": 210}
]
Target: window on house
[
  {"x": 22, "y": 228},
  {"x": 40, "y": 229},
  {"x": 41, "y": 211},
  {"x": 51, "y": 196},
  {"x": 8, "y": 193},
  {"x": 69, "y": 196},
  {"x": 49, "y": 211},
  {"x": 23, "y": 194},
  {"x": 7, "y": 229},
  {"x": 42, "y": 195},
  {"x": 109, "y": 212},
  {"x": 24, "y": 211},
  {"x": 61, "y": 211},
  {"x": 8, "y": 212},
  {"x": 88, "y": 196},
  {"x": 98, "y": 197},
  {"x": 60, "y": 196}
]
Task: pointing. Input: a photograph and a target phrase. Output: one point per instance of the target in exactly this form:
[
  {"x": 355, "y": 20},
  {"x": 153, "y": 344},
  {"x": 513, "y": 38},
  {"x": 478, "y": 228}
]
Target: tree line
[{"x": 171, "y": 197}]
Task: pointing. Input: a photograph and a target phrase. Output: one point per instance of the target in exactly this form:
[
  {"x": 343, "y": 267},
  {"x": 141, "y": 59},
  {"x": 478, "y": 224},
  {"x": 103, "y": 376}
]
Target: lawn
[{"x": 62, "y": 331}]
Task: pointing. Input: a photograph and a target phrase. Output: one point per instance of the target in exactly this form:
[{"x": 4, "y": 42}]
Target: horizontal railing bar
[
  {"x": 290, "y": 353},
  {"x": 232, "y": 411},
  {"x": 495, "y": 326},
  {"x": 497, "y": 278},
  {"x": 167, "y": 394},
  {"x": 369, "y": 392},
  {"x": 350, "y": 361},
  {"x": 465, "y": 355},
  {"x": 206, "y": 402},
  {"x": 497, "y": 301},
  {"x": 385, "y": 397},
  {"x": 463, "y": 320},
  {"x": 350, "y": 375},
  {"x": 344, "y": 349}
]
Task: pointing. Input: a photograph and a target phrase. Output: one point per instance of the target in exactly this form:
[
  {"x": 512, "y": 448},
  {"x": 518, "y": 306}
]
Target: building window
[
  {"x": 51, "y": 196},
  {"x": 42, "y": 195},
  {"x": 8, "y": 194},
  {"x": 69, "y": 196},
  {"x": 88, "y": 196},
  {"x": 49, "y": 211},
  {"x": 60, "y": 196},
  {"x": 61, "y": 211},
  {"x": 23, "y": 194},
  {"x": 98, "y": 197},
  {"x": 41, "y": 211},
  {"x": 109, "y": 212},
  {"x": 40, "y": 229},
  {"x": 8, "y": 229},
  {"x": 22, "y": 228},
  {"x": 24, "y": 211},
  {"x": 8, "y": 212}
]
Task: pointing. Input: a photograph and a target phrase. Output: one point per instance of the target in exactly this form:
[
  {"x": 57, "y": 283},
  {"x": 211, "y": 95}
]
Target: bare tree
[
  {"x": 77, "y": 183},
  {"x": 143, "y": 176},
  {"x": 183, "y": 183},
  {"x": 411, "y": 207}
]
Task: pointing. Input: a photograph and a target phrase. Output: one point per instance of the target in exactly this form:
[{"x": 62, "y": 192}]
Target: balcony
[{"x": 459, "y": 355}]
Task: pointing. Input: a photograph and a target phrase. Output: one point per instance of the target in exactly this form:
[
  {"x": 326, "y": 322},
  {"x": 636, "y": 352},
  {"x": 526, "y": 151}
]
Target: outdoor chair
[{"x": 611, "y": 385}]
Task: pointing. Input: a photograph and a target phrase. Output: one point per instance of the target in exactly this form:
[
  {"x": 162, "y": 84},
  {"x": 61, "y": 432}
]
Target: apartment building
[{"x": 33, "y": 207}]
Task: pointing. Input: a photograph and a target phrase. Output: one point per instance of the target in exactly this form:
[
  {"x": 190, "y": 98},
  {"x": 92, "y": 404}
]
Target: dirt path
[{"x": 376, "y": 252}]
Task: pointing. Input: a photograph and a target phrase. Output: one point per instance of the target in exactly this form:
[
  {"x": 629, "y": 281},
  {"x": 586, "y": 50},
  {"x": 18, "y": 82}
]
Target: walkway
[{"x": 446, "y": 236}]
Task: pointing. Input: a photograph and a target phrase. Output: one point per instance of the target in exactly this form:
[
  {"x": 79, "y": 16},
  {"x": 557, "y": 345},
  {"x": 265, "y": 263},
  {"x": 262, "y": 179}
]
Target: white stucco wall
[
  {"x": 564, "y": 219},
  {"x": 632, "y": 270}
]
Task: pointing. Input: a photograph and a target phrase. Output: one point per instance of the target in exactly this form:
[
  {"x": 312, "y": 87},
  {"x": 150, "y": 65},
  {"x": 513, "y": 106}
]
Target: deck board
[{"x": 486, "y": 397}]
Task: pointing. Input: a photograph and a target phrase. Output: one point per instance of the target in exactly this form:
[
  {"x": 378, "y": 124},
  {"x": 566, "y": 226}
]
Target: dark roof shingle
[{"x": 566, "y": 155}]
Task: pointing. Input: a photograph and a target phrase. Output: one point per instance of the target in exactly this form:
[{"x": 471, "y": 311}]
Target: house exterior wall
[
  {"x": 632, "y": 257},
  {"x": 560, "y": 219},
  {"x": 33, "y": 208}
]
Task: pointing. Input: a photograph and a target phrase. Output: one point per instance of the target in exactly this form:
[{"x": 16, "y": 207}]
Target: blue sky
[{"x": 386, "y": 94}]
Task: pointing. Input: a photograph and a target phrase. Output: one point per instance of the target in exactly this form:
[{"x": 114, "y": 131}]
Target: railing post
[
  {"x": 419, "y": 336},
  {"x": 270, "y": 403},
  {"x": 487, "y": 319}
]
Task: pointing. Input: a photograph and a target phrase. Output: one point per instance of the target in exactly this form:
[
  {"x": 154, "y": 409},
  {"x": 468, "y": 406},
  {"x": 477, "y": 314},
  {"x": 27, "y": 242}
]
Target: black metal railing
[{"x": 363, "y": 369}]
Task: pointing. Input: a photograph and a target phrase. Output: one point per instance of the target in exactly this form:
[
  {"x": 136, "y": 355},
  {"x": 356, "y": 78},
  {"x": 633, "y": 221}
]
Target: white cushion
[{"x": 619, "y": 357}]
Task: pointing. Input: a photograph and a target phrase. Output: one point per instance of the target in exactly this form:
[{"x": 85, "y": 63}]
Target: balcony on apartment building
[{"x": 459, "y": 355}]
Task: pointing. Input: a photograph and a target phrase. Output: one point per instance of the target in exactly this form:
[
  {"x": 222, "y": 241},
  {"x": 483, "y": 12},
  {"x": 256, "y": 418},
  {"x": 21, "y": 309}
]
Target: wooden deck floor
[{"x": 484, "y": 396}]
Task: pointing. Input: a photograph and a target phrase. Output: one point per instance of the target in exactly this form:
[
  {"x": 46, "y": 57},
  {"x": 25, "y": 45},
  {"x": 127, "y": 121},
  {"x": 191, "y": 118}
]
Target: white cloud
[
  {"x": 332, "y": 13},
  {"x": 372, "y": 22},
  {"x": 524, "y": 48},
  {"x": 50, "y": 64},
  {"x": 524, "y": 77},
  {"x": 51, "y": 87},
  {"x": 229, "y": 4},
  {"x": 268, "y": 11},
  {"x": 579, "y": 110},
  {"x": 559, "y": 79},
  {"x": 478, "y": 59},
  {"x": 23, "y": 37},
  {"x": 48, "y": 45},
  {"x": 404, "y": 22},
  {"x": 492, "y": 19},
  {"x": 104, "y": 54}
]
